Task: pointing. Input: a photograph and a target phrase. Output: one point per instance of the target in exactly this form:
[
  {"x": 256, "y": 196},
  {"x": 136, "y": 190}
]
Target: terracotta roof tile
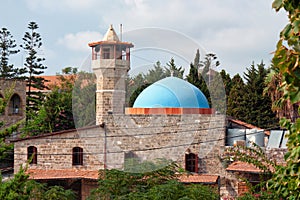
[
  {"x": 246, "y": 125},
  {"x": 199, "y": 178},
  {"x": 240, "y": 166},
  {"x": 50, "y": 80},
  {"x": 39, "y": 174}
]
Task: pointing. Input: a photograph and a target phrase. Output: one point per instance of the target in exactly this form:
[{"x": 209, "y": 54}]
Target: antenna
[{"x": 121, "y": 29}]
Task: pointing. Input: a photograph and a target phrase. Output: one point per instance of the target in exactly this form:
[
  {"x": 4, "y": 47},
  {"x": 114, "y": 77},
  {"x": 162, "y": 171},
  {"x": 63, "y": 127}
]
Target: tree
[
  {"x": 7, "y": 48},
  {"x": 55, "y": 114},
  {"x": 141, "y": 81},
  {"x": 193, "y": 76},
  {"x": 227, "y": 82},
  {"x": 155, "y": 74},
  {"x": 286, "y": 180},
  {"x": 6, "y": 149},
  {"x": 259, "y": 106},
  {"x": 282, "y": 108},
  {"x": 34, "y": 67},
  {"x": 173, "y": 70},
  {"x": 236, "y": 106},
  {"x": 207, "y": 74},
  {"x": 161, "y": 183},
  {"x": 20, "y": 187},
  {"x": 84, "y": 99},
  {"x": 197, "y": 59}
]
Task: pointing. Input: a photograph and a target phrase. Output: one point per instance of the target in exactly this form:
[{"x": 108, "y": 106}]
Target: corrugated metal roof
[{"x": 275, "y": 139}]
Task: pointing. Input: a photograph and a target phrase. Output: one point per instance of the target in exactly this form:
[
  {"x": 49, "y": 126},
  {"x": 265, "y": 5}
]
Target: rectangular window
[
  {"x": 191, "y": 162},
  {"x": 106, "y": 53},
  {"x": 77, "y": 156}
]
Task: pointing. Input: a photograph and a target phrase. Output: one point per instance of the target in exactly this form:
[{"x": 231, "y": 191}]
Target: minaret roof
[
  {"x": 110, "y": 38},
  {"x": 111, "y": 35}
]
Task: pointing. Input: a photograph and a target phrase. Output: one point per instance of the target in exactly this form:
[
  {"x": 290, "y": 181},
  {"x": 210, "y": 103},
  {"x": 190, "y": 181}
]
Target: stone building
[
  {"x": 15, "y": 111},
  {"x": 170, "y": 119}
]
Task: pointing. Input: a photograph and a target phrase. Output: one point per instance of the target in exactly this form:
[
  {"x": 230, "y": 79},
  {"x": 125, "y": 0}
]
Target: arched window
[
  {"x": 32, "y": 154},
  {"x": 191, "y": 162},
  {"x": 15, "y": 104},
  {"x": 77, "y": 158}
]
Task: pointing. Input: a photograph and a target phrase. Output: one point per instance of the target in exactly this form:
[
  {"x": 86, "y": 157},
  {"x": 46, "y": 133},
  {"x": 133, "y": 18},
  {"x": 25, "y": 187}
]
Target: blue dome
[{"x": 171, "y": 92}]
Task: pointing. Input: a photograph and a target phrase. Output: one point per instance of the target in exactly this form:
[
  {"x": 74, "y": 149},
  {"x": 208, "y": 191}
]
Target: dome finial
[
  {"x": 111, "y": 35},
  {"x": 172, "y": 72}
]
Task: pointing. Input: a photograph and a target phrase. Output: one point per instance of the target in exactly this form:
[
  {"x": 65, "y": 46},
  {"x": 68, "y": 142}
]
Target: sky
[{"x": 239, "y": 32}]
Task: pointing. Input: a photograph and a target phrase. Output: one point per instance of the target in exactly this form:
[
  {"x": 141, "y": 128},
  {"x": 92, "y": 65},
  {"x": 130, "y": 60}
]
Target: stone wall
[
  {"x": 148, "y": 137},
  {"x": 276, "y": 154},
  {"x": 54, "y": 151},
  {"x": 19, "y": 88}
]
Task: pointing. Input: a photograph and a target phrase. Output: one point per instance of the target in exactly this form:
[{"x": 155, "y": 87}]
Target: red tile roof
[
  {"x": 240, "y": 166},
  {"x": 42, "y": 174},
  {"x": 246, "y": 125},
  {"x": 50, "y": 80},
  {"x": 55, "y": 133},
  {"x": 39, "y": 174},
  {"x": 199, "y": 178}
]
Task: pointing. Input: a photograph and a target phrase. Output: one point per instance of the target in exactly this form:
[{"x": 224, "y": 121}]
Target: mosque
[{"x": 170, "y": 120}]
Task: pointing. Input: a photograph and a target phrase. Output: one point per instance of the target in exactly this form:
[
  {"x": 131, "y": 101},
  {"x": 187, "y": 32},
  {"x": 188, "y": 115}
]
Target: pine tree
[
  {"x": 7, "y": 48},
  {"x": 227, "y": 81},
  {"x": 172, "y": 69},
  {"x": 34, "y": 67},
  {"x": 155, "y": 74},
  {"x": 259, "y": 110},
  {"x": 236, "y": 104}
]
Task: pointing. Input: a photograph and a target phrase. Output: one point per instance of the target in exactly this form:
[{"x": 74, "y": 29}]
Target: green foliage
[
  {"x": 55, "y": 114},
  {"x": 156, "y": 73},
  {"x": 227, "y": 82},
  {"x": 7, "y": 48},
  {"x": 173, "y": 70},
  {"x": 58, "y": 193},
  {"x": 159, "y": 184},
  {"x": 263, "y": 195},
  {"x": 259, "y": 106},
  {"x": 256, "y": 156},
  {"x": 34, "y": 67},
  {"x": 193, "y": 76},
  {"x": 84, "y": 99},
  {"x": 136, "y": 93},
  {"x": 6, "y": 149},
  {"x": 236, "y": 104},
  {"x": 20, "y": 187},
  {"x": 138, "y": 83},
  {"x": 286, "y": 180},
  {"x": 248, "y": 102}
]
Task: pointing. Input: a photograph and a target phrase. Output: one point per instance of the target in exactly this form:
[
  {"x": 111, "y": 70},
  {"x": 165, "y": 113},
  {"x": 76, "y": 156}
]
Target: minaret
[{"x": 110, "y": 63}]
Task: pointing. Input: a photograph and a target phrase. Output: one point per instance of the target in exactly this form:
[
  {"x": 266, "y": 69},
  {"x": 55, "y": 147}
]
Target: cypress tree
[
  {"x": 193, "y": 77},
  {"x": 236, "y": 104}
]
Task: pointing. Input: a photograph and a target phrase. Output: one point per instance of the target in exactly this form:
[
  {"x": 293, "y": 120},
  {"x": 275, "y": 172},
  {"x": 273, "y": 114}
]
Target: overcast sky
[{"x": 237, "y": 31}]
